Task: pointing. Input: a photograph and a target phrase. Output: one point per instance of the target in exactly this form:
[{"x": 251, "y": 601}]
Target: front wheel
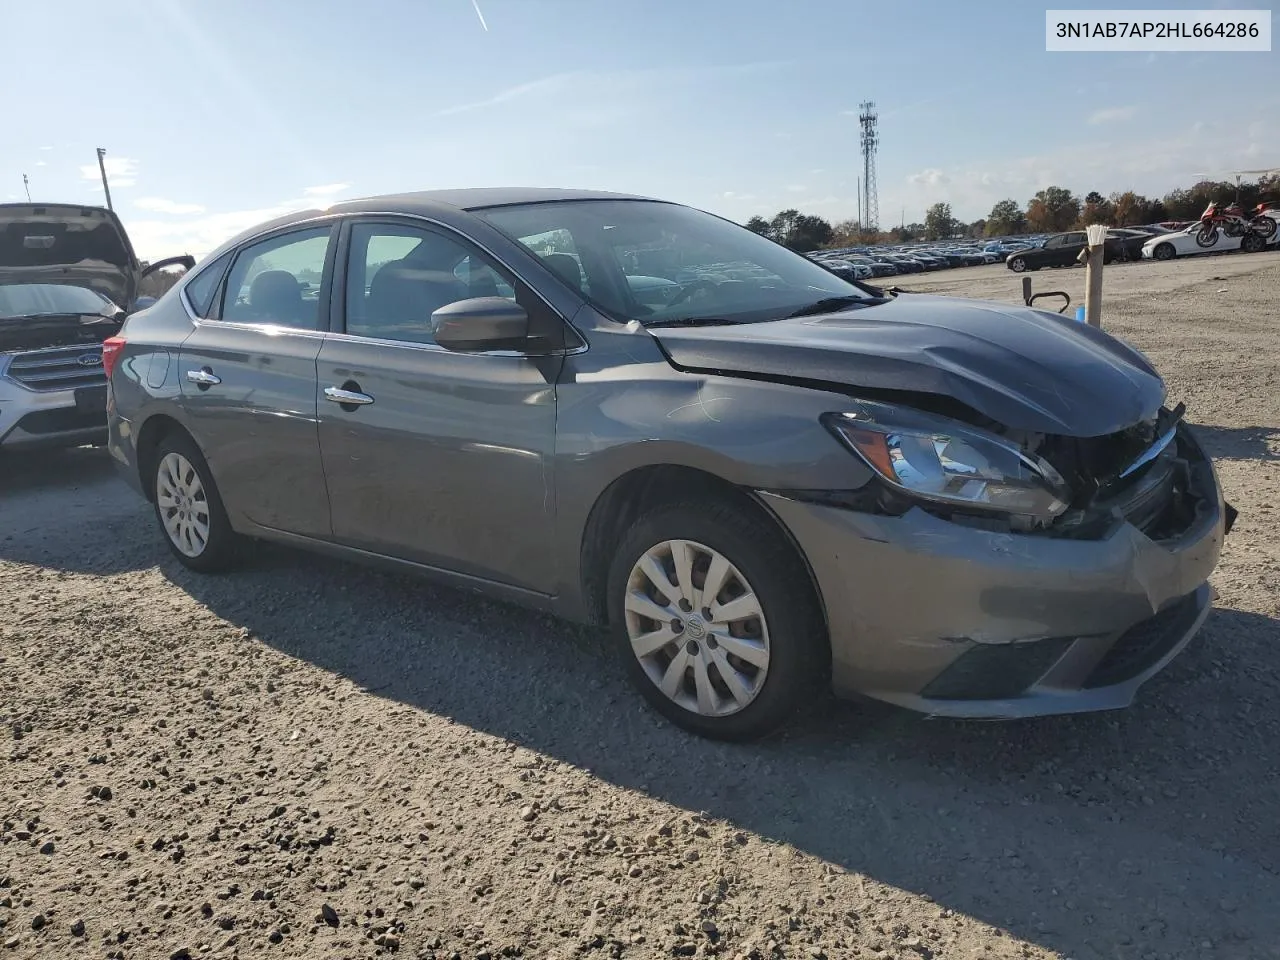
[
  {"x": 189, "y": 509},
  {"x": 1164, "y": 251},
  {"x": 716, "y": 620},
  {"x": 1018, "y": 264},
  {"x": 1207, "y": 236}
]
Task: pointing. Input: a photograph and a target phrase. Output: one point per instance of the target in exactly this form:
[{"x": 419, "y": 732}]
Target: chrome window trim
[
  {"x": 276, "y": 330},
  {"x": 436, "y": 348},
  {"x": 267, "y": 329}
]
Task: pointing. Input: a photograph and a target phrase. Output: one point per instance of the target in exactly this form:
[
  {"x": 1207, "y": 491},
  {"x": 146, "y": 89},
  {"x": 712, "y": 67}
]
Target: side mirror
[
  {"x": 481, "y": 323},
  {"x": 186, "y": 260}
]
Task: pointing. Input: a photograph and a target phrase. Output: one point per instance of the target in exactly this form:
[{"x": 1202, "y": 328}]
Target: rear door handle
[
  {"x": 205, "y": 377},
  {"x": 344, "y": 397}
]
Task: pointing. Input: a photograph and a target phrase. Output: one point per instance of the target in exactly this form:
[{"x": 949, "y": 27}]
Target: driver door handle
[
  {"x": 338, "y": 395},
  {"x": 206, "y": 378}
]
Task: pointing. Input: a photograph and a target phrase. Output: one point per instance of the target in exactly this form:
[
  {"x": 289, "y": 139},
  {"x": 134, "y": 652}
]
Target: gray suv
[
  {"x": 68, "y": 276},
  {"x": 765, "y": 480}
]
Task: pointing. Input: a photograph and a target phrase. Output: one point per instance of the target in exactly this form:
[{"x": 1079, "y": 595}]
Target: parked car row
[
  {"x": 1160, "y": 241},
  {"x": 1155, "y": 242}
]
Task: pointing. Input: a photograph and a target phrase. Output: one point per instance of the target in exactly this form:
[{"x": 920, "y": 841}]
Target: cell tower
[{"x": 870, "y": 140}]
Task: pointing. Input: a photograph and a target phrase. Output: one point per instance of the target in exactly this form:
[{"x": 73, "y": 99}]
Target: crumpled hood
[
  {"x": 1026, "y": 369},
  {"x": 67, "y": 244}
]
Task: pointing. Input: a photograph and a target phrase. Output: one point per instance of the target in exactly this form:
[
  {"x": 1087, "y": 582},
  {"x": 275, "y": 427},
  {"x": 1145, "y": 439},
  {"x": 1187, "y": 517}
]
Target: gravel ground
[{"x": 310, "y": 759}]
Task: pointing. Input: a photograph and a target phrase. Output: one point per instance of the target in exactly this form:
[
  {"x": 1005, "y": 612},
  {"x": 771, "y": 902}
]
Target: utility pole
[
  {"x": 26, "y": 185},
  {"x": 860, "y": 224},
  {"x": 102, "y": 167}
]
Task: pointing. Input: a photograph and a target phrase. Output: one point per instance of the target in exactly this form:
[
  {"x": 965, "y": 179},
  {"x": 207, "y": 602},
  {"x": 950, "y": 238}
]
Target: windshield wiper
[
  {"x": 692, "y": 322},
  {"x": 832, "y": 304}
]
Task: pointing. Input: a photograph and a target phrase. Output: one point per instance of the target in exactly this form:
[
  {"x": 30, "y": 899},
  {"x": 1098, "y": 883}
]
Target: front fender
[{"x": 754, "y": 434}]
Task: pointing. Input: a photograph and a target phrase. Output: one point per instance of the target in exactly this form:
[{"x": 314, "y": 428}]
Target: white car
[{"x": 1183, "y": 242}]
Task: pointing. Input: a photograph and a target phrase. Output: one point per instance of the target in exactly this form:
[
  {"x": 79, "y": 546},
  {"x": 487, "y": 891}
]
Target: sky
[{"x": 217, "y": 116}]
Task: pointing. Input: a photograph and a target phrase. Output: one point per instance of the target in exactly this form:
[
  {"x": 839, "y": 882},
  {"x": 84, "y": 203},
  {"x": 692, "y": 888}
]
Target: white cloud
[
  {"x": 41, "y": 163},
  {"x": 326, "y": 189},
  {"x": 121, "y": 171},
  {"x": 161, "y": 205},
  {"x": 730, "y": 195},
  {"x": 796, "y": 188},
  {"x": 198, "y": 236},
  {"x": 1112, "y": 114},
  {"x": 46, "y": 148},
  {"x": 930, "y": 177}
]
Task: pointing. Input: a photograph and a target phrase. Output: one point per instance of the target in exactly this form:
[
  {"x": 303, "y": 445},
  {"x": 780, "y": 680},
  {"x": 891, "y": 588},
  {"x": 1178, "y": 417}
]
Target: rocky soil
[{"x": 309, "y": 759}]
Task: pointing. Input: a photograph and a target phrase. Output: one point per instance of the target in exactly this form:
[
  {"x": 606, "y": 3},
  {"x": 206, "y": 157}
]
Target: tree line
[{"x": 1051, "y": 210}]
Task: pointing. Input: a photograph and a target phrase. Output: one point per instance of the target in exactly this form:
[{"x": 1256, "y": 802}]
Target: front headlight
[{"x": 942, "y": 460}]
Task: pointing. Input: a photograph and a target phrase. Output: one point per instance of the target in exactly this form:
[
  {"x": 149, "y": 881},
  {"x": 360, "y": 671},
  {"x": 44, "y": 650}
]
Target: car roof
[
  {"x": 477, "y": 198},
  {"x": 428, "y": 203}
]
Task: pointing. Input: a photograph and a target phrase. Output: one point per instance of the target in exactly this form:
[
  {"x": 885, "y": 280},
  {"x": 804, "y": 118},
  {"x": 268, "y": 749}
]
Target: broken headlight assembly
[{"x": 943, "y": 461}]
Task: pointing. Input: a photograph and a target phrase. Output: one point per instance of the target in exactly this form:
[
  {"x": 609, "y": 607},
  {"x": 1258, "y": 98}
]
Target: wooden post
[{"x": 1093, "y": 275}]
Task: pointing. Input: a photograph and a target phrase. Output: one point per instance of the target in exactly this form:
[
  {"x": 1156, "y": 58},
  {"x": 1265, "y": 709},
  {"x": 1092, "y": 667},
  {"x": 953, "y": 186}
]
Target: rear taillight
[{"x": 112, "y": 347}]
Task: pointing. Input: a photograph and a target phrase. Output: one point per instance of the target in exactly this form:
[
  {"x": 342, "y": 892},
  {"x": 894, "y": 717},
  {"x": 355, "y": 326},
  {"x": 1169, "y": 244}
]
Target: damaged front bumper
[{"x": 955, "y": 621}]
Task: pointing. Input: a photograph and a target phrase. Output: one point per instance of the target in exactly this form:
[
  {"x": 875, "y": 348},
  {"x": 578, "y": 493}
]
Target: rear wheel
[
  {"x": 1252, "y": 243},
  {"x": 189, "y": 509},
  {"x": 716, "y": 620},
  {"x": 1263, "y": 226}
]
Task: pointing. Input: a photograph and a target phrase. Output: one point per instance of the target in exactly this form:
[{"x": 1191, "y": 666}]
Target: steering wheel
[{"x": 690, "y": 289}]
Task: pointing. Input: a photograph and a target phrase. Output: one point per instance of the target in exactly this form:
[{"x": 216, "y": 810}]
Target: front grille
[
  {"x": 1090, "y": 462},
  {"x": 62, "y": 421},
  {"x": 1145, "y": 643},
  {"x": 59, "y": 368},
  {"x": 991, "y": 671}
]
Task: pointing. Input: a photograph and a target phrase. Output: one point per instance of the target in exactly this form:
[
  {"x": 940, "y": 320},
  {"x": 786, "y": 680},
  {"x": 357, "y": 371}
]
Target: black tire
[
  {"x": 1252, "y": 243},
  {"x": 1164, "y": 251},
  {"x": 799, "y": 655},
  {"x": 1018, "y": 264},
  {"x": 221, "y": 550}
]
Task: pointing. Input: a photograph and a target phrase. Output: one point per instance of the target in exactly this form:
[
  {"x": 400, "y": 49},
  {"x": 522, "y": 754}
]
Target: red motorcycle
[{"x": 1232, "y": 222}]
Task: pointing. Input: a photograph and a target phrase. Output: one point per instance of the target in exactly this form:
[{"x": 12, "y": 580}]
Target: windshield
[
  {"x": 42, "y": 299},
  {"x": 713, "y": 268}
]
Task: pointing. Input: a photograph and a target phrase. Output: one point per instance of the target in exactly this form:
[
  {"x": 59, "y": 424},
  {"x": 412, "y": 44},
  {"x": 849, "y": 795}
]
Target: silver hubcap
[
  {"x": 697, "y": 628},
  {"x": 184, "y": 508}
]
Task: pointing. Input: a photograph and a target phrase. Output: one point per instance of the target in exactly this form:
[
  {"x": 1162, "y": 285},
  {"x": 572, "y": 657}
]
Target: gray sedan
[{"x": 763, "y": 479}]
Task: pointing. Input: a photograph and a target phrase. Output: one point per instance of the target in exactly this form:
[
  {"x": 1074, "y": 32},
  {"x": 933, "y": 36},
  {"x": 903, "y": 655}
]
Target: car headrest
[
  {"x": 566, "y": 267},
  {"x": 275, "y": 292}
]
